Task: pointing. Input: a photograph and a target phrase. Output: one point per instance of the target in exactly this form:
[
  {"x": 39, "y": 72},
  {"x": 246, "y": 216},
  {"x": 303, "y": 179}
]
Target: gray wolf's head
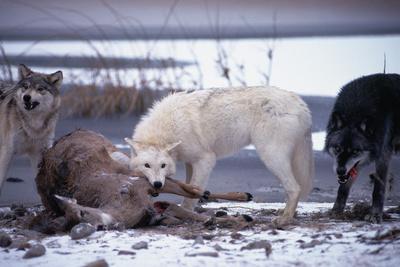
[
  {"x": 349, "y": 146},
  {"x": 154, "y": 162},
  {"x": 37, "y": 92}
]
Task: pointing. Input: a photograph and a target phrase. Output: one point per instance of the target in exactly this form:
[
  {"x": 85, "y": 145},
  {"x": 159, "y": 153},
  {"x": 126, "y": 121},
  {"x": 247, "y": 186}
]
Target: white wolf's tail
[{"x": 303, "y": 164}]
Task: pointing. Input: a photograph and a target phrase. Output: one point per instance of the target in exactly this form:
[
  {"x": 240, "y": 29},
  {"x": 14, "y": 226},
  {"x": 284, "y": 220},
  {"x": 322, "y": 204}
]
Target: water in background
[{"x": 309, "y": 66}]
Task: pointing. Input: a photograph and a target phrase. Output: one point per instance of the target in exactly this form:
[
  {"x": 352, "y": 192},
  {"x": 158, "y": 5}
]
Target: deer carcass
[{"x": 78, "y": 179}]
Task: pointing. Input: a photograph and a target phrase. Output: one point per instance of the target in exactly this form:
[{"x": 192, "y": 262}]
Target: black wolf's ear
[
  {"x": 56, "y": 78},
  {"x": 23, "y": 71},
  {"x": 336, "y": 122}
]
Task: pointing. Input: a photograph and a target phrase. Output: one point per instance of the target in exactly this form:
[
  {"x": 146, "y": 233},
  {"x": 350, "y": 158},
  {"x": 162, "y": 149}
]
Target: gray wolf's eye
[
  {"x": 40, "y": 89},
  {"x": 147, "y": 165},
  {"x": 163, "y": 165},
  {"x": 337, "y": 149},
  {"x": 356, "y": 151},
  {"x": 25, "y": 85}
]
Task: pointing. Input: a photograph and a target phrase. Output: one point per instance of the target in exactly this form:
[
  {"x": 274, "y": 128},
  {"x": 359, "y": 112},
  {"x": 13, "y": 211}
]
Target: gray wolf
[
  {"x": 202, "y": 126},
  {"x": 364, "y": 127},
  {"x": 28, "y": 116}
]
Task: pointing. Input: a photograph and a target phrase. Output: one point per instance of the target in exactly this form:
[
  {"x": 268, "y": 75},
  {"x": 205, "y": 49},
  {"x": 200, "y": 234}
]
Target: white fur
[{"x": 216, "y": 123}]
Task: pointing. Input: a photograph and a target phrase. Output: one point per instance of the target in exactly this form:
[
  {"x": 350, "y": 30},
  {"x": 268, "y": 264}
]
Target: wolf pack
[{"x": 202, "y": 126}]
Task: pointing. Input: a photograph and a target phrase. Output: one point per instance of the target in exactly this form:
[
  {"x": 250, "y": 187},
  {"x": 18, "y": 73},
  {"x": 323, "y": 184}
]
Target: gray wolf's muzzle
[{"x": 28, "y": 103}]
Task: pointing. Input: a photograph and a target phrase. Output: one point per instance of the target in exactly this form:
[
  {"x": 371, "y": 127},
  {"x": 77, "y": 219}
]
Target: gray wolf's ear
[
  {"x": 172, "y": 146},
  {"x": 56, "y": 78},
  {"x": 132, "y": 144},
  {"x": 23, "y": 71}
]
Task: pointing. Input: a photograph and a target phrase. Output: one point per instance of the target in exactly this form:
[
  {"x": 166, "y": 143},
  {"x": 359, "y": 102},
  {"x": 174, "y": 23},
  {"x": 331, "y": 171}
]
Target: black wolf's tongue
[{"x": 353, "y": 173}]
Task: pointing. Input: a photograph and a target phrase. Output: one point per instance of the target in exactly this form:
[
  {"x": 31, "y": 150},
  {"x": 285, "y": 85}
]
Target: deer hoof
[{"x": 249, "y": 196}]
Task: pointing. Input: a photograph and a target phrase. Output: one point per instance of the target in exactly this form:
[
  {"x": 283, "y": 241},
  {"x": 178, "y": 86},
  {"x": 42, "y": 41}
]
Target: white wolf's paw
[
  {"x": 373, "y": 218},
  {"x": 282, "y": 221}
]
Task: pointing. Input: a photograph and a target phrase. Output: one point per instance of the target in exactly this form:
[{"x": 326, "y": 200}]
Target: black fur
[{"x": 366, "y": 118}]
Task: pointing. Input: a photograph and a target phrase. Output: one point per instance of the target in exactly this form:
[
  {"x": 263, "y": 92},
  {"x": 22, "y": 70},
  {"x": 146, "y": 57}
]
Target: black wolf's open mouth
[
  {"x": 31, "y": 105},
  {"x": 352, "y": 173}
]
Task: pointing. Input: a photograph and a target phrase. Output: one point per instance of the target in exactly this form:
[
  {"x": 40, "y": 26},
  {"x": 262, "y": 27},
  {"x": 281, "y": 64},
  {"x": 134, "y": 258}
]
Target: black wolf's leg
[
  {"x": 378, "y": 195},
  {"x": 342, "y": 195}
]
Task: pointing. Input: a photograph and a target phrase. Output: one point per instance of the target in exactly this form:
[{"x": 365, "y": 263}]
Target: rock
[
  {"x": 262, "y": 244},
  {"x": 98, "y": 263},
  {"x": 221, "y": 213},
  {"x": 82, "y": 230},
  {"x": 198, "y": 241},
  {"x": 5, "y": 239},
  {"x": 126, "y": 252},
  {"x": 35, "y": 251},
  {"x": 19, "y": 210},
  {"x": 311, "y": 244},
  {"x": 20, "y": 243},
  {"x": 236, "y": 236},
  {"x": 218, "y": 248},
  {"x": 204, "y": 254},
  {"x": 53, "y": 244},
  {"x": 140, "y": 245}
]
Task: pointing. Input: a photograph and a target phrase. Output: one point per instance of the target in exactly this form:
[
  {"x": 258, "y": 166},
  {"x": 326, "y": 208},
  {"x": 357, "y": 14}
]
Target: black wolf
[{"x": 364, "y": 128}]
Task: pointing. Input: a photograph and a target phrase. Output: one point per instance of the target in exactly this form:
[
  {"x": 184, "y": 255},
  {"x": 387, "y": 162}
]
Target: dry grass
[{"x": 108, "y": 100}]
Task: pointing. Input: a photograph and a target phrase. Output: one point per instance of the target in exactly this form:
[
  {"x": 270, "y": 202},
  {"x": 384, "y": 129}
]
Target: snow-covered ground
[{"x": 312, "y": 242}]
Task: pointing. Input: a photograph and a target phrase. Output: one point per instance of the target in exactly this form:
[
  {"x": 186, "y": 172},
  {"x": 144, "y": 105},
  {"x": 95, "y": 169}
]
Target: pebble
[
  {"x": 140, "y": 245},
  {"x": 5, "y": 239},
  {"x": 35, "y": 251},
  {"x": 261, "y": 244},
  {"x": 198, "y": 241},
  {"x": 126, "y": 252},
  {"x": 82, "y": 230},
  {"x": 98, "y": 263}
]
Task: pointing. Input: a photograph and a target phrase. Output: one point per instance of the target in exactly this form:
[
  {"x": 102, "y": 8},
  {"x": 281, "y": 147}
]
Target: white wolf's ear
[
  {"x": 132, "y": 144},
  {"x": 56, "y": 78},
  {"x": 23, "y": 71},
  {"x": 172, "y": 146}
]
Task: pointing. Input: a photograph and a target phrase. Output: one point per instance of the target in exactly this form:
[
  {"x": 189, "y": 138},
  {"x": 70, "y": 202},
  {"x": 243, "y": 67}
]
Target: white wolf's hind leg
[
  {"x": 201, "y": 172},
  {"x": 277, "y": 158}
]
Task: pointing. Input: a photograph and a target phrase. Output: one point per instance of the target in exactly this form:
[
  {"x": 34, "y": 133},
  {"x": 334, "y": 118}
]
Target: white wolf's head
[{"x": 154, "y": 162}]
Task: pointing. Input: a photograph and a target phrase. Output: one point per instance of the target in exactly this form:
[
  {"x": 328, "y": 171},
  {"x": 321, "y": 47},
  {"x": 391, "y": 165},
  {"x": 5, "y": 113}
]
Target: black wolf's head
[
  {"x": 349, "y": 145},
  {"x": 36, "y": 91}
]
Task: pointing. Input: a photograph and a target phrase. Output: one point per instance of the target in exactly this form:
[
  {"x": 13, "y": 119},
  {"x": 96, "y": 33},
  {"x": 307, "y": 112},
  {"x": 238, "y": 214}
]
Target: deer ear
[
  {"x": 132, "y": 144},
  {"x": 56, "y": 78},
  {"x": 24, "y": 71},
  {"x": 172, "y": 146}
]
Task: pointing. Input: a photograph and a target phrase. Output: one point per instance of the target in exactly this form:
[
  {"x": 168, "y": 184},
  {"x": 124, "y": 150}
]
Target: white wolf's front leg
[
  {"x": 6, "y": 153},
  {"x": 201, "y": 172}
]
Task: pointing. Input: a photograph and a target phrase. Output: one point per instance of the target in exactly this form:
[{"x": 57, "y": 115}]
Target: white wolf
[
  {"x": 28, "y": 116},
  {"x": 202, "y": 126}
]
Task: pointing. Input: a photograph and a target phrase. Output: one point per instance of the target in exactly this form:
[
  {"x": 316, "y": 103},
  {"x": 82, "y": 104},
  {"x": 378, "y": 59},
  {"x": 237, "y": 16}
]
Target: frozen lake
[{"x": 308, "y": 66}]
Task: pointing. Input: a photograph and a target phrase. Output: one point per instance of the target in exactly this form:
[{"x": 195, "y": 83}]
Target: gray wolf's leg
[
  {"x": 201, "y": 172},
  {"x": 6, "y": 154},
  {"x": 342, "y": 195},
  {"x": 379, "y": 193}
]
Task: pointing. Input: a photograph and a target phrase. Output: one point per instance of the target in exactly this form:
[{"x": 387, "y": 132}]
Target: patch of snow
[
  {"x": 318, "y": 139},
  {"x": 336, "y": 244}
]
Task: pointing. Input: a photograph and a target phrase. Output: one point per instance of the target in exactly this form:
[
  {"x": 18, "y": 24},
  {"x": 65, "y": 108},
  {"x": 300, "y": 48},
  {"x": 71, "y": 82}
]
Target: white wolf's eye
[
  {"x": 147, "y": 165},
  {"x": 163, "y": 165}
]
